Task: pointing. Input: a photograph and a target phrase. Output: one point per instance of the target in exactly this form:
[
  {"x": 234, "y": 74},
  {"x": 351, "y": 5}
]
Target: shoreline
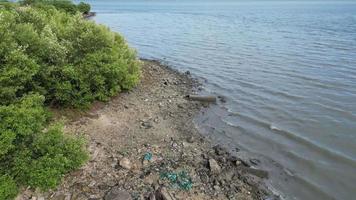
[{"x": 140, "y": 136}]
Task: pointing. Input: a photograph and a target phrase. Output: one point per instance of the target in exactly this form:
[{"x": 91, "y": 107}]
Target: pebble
[
  {"x": 125, "y": 163},
  {"x": 216, "y": 187},
  {"x": 92, "y": 184},
  {"x": 255, "y": 161},
  {"x": 145, "y": 163},
  {"x": 238, "y": 162},
  {"x": 219, "y": 150},
  {"x": 117, "y": 194},
  {"x": 68, "y": 196},
  {"x": 164, "y": 194},
  {"x": 214, "y": 166},
  {"x": 190, "y": 139},
  {"x": 146, "y": 125},
  {"x": 152, "y": 196}
]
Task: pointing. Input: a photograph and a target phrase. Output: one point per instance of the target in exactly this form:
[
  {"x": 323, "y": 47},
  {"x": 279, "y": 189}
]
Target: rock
[
  {"x": 214, "y": 166},
  {"x": 103, "y": 187},
  {"x": 92, "y": 184},
  {"x": 145, "y": 163},
  {"x": 187, "y": 72},
  {"x": 68, "y": 196},
  {"x": 257, "y": 172},
  {"x": 146, "y": 125},
  {"x": 222, "y": 99},
  {"x": 238, "y": 162},
  {"x": 117, "y": 194},
  {"x": 152, "y": 196},
  {"x": 232, "y": 158},
  {"x": 164, "y": 194},
  {"x": 190, "y": 139},
  {"x": 219, "y": 150},
  {"x": 79, "y": 196},
  {"x": 56, "y": 197},
  {"x": 216, "y": 187},
  {"x": 40, "y": 198},
  {"x": 125, "y": 163},
  {"x": 174, "y": 145},
  {"x": 255, "y": 161}
]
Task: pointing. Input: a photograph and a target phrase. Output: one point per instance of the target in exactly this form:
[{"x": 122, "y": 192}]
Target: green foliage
[
  {"x": 8, "y": 187},
  {"x": 54, "y": 58},
  {"x": 69, "y": 60},
  {"x": 7, "y": 5},
  {"x": 84, "y": 7},
  {"x": 63, "y": 5},
  {"x": 31, "y": 153}
]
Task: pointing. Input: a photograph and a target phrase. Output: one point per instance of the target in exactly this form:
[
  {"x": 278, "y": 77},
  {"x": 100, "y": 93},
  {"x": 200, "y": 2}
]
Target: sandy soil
[{"x": 154, "y": 119}]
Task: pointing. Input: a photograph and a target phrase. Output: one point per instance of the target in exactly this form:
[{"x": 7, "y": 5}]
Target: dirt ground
[{"x": 143, "y": 144}]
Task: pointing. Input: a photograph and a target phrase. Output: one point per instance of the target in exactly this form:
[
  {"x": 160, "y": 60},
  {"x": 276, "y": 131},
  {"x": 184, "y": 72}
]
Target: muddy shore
[{"x": 143, "y": 144}]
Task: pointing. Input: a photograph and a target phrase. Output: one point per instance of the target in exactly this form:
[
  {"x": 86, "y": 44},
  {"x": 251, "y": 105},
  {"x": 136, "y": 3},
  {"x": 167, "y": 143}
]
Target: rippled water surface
[{"x": 288, "y": 70}]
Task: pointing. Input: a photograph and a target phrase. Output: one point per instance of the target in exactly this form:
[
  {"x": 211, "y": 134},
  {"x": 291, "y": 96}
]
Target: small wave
[
  {"x": 299, "y": 139},
  {"x": 273, "y": 127}
]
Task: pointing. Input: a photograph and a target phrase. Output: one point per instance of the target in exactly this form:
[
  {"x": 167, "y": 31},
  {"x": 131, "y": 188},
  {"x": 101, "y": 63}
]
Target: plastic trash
[
  {"x": 147, "y": 156},
  {"x": 181, "y": 179}
]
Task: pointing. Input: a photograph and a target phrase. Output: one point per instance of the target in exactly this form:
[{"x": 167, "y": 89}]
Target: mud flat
[{"x": 143, "y": 144}]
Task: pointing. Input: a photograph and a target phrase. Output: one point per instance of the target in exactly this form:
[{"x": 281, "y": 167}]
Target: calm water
[{"x": 288, "y": 70}]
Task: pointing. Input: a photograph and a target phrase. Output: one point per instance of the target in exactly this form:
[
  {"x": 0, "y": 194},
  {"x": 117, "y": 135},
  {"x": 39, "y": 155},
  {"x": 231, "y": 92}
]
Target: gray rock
[
  {"x": 79, "y": 196},
  {"x": 68, "y": 196},
  {"x": 238, "y": 162},
  {"x": 190, "y": 139},
  {"x": 257, "y": 172},
  {"x": 117, "y": 194},
  {"x": 103, "y": 187},
  {"x": 152, "y": 196},
  {"x": 56, "y": 197},
  {"x": 219, "y": 150},
  {"x": 125, "y": 163},
  {"x": 146, "y": 125},
  {"x": 164, "y": 194},
  {"x": 255, "y": 161},
  {"x": 214, "y": 166},
  {"x": 216, "y": 187}
]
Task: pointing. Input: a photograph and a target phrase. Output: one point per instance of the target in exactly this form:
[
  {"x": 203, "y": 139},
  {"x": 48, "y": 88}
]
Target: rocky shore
[{"x": 143, "y": 144}]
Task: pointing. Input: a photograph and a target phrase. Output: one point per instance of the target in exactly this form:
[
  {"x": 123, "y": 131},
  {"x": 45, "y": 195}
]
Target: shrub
[
  {"x": 63, "y": 5},
  {"x": 8, "y": 187},
  {"x": 84, "y": 7},
  {"x": 69, "y": 60},
  {"x": 50, "y": 57},
  {"x": 32, "y": 153}
]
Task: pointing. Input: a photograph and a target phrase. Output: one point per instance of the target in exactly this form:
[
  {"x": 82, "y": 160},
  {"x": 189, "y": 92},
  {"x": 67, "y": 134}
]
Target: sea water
[{"x": 286, "y": 68}]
